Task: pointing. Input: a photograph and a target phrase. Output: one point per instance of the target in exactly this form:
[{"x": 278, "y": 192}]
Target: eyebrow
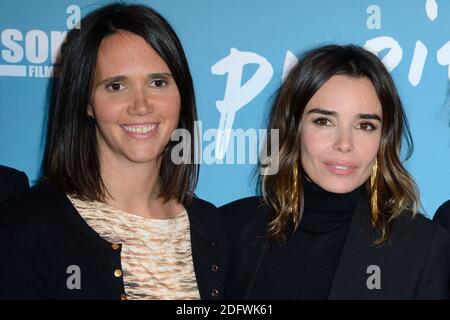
[
  {"x": 323, "y": 111},
  {"x": 151, "y": 76},
  {"x": 112, "y": 79},
  {"x": 366, "y": 116},
  {"x": 369, "y": 116}
]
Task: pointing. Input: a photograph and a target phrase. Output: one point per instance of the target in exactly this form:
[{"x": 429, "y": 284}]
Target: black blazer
[
  {"x": 12, "y": 182},
  {"x": 414, "y": 263},
  {"x": 42, "y": 235},
  {"x": 442, "y": 215}
]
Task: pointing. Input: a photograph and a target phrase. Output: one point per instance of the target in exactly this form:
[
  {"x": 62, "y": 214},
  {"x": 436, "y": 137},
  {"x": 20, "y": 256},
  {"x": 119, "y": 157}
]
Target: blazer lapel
[
  {"x": 358, "y": 258},
  {"x": 250, "y": 247},
  {"x": 201, "y": 253}
]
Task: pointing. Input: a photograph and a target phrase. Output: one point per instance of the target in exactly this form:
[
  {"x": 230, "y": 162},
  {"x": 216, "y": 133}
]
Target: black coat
[
  {"x": 442, "y": 215},
  {"x": 12, "y": 182},
  {"x": 413, "y": 264},
  {"x": 42, "y": 235}
]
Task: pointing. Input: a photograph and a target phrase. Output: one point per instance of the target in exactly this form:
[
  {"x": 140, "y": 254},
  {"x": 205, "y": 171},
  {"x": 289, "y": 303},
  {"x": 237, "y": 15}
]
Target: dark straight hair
[
  {"x": 71, "y": 160},
  {"x": 394, "y": 190}
]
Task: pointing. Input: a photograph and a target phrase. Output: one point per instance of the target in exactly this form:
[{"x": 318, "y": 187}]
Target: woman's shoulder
[
  {"x": 425, "y": 244},
  {"x": 250, "y": 205},
  {"x": 33, "y": 218},
  {"x": 244, "y": 205},
  {"x": 420, "y": 228},
  {"x": 12, "y": 182},
  {"x": 240, "y": 213},
  {"x": 7, "y": 172},
  {"x": 244, "y": 209},
  {"x": 442, "y": 215},
  {"x": 203, "y": 212},
  {"x": 199, "y": 203},
  {"x": 34, "y": 207}
]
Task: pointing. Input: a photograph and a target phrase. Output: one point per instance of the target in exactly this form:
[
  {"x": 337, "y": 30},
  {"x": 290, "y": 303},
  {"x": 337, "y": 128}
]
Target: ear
[{"x": 90, "y": 111}]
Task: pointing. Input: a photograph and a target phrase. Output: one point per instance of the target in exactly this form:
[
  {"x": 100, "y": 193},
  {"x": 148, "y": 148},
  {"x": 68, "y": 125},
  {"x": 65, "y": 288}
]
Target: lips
[
  {"x": 340, "y": 167},
  {"x": 140, "y": 131}
]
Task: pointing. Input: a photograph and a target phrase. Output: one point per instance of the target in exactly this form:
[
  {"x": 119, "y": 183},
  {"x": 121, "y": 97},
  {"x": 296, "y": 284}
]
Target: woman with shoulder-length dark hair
[
  {"x": 115, "y": 216},
  {"x": 338, "y": 220}
]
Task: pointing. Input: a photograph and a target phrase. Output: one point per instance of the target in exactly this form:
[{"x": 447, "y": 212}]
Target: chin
[
  {"x": 339, "y": 187},
  {"x": 142, "y": 157}
]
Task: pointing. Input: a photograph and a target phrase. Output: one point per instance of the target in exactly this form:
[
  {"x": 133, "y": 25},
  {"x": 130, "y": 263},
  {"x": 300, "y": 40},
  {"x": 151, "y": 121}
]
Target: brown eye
[
  {"x": 158, "y": 83},
  {"x": 367, "y": 126},
  {"x": 322, "y": 122},
  {"x": 116, "y": 86}
]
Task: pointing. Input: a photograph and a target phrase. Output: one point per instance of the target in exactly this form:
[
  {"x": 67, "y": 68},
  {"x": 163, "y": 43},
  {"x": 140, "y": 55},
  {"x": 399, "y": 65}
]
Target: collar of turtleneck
[{"x": 326, "y": 211}]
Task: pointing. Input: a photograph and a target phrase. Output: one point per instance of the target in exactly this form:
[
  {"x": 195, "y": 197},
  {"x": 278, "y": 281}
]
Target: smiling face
[
  {"x": 135, "y": 100},
  {"x": 340, "y": 133}
]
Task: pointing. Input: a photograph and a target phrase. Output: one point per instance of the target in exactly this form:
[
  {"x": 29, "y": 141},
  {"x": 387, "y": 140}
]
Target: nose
[
  {"x": 141, "y": 103},
  {"x": 344, "y": 140}
]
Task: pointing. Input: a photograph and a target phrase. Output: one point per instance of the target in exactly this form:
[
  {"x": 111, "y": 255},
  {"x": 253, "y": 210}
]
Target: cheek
[
  {"x": 170, "y": 110},
  {"x": 369, "y": 148},
  {"x": 309, "y": 152},
  {"x": 106, "y": 110},
  {"x": 312, "y": 143}
]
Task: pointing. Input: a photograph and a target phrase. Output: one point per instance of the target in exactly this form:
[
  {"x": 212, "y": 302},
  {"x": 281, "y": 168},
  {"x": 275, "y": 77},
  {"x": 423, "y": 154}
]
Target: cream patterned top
[{"x": 156, "y": 254}]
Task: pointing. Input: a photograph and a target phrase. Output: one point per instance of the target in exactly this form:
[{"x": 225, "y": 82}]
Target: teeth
[
  {"x": 140, "y": 129},
  {"x": 341, "y": 167}
]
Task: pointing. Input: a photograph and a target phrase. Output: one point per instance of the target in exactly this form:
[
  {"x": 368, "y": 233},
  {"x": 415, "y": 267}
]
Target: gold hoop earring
[
  {"x": 374, "y": 192},
  {"x": 295, "y": 195}
]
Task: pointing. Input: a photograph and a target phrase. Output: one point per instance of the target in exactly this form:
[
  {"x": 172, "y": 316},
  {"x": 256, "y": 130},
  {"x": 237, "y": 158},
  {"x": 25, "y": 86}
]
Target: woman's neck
[
  {"x": 319, "y": 199},
  {"x": 135, "y": 188},
  {"x": 324, "y": 211}
]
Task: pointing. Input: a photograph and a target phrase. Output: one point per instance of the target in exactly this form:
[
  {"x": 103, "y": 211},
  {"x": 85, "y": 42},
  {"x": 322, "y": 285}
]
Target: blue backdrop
[{"x": 237, "y": 52}]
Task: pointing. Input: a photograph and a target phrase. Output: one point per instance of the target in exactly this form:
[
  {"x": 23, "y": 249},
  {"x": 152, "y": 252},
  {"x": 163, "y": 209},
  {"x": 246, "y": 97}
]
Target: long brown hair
[{"x": 392, "y": 190}]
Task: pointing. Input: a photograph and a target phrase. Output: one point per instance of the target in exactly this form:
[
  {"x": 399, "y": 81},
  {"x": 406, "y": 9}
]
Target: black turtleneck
[{"x": 304, "y": 266}]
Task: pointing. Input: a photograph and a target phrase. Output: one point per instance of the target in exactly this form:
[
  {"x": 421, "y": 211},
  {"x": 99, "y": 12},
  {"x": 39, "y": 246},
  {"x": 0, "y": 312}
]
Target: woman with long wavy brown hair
[{"x": 339, "y": 219}]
